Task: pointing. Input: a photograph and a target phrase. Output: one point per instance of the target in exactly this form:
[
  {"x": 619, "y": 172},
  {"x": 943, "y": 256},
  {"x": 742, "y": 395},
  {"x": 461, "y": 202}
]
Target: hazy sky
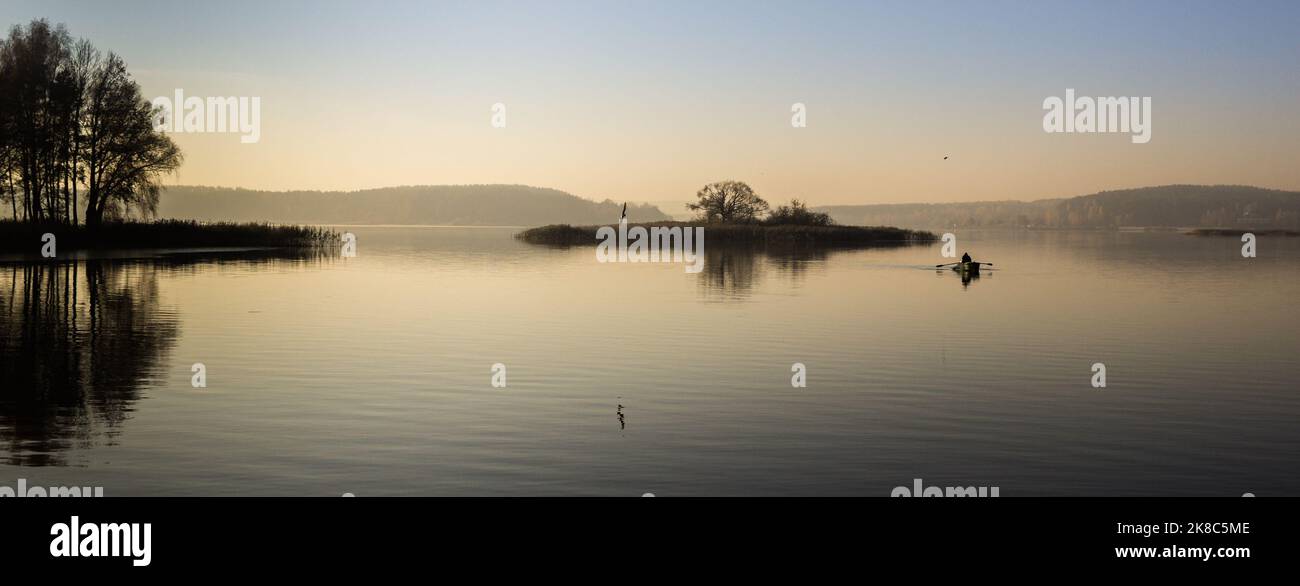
[{"x": 647, "y": 101}]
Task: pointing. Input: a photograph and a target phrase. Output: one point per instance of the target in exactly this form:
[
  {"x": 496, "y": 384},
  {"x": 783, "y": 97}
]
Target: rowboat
[{"x": 971, "y": 268}]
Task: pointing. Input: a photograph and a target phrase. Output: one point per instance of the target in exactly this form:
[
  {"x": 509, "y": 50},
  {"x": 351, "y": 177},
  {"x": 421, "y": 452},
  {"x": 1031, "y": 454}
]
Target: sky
[{"x": 649, "y": 101}]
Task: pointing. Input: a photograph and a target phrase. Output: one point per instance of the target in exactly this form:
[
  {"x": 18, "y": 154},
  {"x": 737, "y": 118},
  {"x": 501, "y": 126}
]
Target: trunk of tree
[
  {"x": 76, "y": 150},
  {"x": 94, "y": 213},
  {"x": 67, "y": 191},
  {"x": 92, "y": 189},
  {"x": 13, "y": 201}
]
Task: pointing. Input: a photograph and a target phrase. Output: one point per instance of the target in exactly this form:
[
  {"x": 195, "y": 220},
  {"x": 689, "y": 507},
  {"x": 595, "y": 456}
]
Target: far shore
[{"x": 1235, "y": 232}]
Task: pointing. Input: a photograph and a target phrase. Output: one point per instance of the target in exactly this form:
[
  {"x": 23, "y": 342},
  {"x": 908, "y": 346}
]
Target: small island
[
  {"x": 760, "y": 234},
  {"x": 732, "y": 213}
]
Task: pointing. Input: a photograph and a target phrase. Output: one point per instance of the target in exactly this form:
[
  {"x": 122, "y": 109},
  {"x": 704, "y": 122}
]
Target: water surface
[{"x": 372, "y": 375}]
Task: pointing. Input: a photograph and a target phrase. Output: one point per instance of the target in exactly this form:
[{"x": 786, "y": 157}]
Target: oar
[{"x": 944, "y": 265}]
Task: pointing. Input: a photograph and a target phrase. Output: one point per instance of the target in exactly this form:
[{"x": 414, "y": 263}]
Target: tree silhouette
[
  {"x": 798, "y": 214},
  {"x": 728, "y": 201},
  {"x": 73, "y": 117}
]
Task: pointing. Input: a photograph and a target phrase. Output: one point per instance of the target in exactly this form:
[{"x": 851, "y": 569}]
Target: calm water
[{"x": 372, "y": 375}]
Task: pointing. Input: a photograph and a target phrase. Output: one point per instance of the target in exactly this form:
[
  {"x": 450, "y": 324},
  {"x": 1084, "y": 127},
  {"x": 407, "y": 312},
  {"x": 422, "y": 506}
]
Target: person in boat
[{"x": 965, "y": 257}]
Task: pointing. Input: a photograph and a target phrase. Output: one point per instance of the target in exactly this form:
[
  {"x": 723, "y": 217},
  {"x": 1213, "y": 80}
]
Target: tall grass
[{"x": 22, "y": 236}]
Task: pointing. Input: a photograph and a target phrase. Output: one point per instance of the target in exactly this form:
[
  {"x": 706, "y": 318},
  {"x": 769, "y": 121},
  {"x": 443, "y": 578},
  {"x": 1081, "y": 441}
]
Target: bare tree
[
  {"x": 70, "y": 117},
  {"x": 728, "y": 201},
  {"x": 31, "y": 105},
  {"x": 125, "y": 157},
  {"x": 85, "y": 60}
]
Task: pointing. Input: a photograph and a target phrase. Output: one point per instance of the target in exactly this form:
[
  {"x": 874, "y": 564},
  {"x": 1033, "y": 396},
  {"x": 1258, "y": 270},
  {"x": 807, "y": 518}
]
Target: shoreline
[
  {"x": 1236, "y": 232},
  {"x": 181, "y": 235}
]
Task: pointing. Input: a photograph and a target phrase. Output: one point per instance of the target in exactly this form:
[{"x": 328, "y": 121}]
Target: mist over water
[{"x": 372, "y": 375}]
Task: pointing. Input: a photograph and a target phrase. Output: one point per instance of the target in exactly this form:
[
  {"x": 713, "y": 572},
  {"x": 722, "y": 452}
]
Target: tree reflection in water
[{"x": 78, "y": 341}]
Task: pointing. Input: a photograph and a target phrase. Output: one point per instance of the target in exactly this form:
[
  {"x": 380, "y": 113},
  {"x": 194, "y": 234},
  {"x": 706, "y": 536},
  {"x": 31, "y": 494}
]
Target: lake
[{"x": 373, "y": 375}]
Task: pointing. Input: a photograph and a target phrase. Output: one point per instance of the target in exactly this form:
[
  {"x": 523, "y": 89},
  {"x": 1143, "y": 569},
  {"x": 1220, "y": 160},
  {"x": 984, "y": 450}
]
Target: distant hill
[
  {"x": 468, "y": 205},
  {"x": 1193, "y": 206}
]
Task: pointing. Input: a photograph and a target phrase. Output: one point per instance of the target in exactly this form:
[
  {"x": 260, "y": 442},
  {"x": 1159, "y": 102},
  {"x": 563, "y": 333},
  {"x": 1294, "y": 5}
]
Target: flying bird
[
  {"x": 945, "y": 157},
  {"x": 624, "y": 217}
]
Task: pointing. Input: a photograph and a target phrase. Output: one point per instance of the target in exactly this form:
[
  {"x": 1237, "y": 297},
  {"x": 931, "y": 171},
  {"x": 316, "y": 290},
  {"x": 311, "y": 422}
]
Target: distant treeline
[
  {"x": 1190, "y": 206},
  {"x": 464, "y": 205}
]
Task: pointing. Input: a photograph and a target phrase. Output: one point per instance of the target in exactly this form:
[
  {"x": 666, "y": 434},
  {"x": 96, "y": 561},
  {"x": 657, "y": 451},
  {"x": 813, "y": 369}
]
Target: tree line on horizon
[
  {"x": 1173, "y": 206},
  {"x": 470, "y": 205},
  {"x": 77, "y": 138}
]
